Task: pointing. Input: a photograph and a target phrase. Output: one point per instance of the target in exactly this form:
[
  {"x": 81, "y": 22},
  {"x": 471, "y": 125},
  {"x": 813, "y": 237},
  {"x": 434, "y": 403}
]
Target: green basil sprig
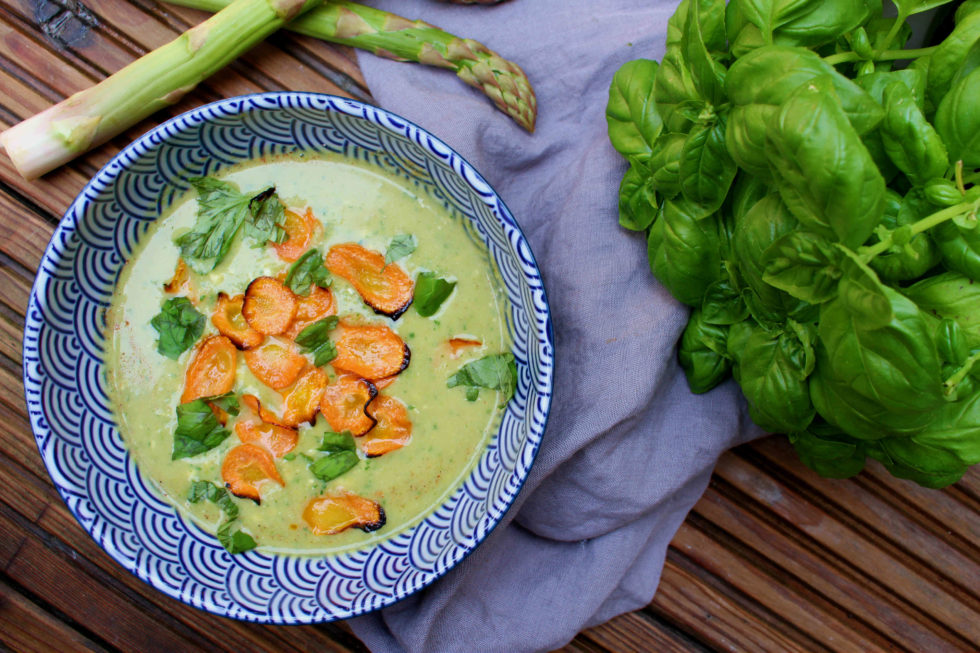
[
  {"x": 178, "y": 325},
  {"x": 198, "y": 429},
  {"x": 234, "y": 540}
]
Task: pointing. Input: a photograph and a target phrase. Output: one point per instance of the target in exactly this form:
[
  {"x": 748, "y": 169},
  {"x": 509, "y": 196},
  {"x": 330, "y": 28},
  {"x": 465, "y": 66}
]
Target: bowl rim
[{"x": 68, "y": 225}]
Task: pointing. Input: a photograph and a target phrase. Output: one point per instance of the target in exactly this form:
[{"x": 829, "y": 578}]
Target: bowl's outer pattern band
[{"x": 65, "y": 385}]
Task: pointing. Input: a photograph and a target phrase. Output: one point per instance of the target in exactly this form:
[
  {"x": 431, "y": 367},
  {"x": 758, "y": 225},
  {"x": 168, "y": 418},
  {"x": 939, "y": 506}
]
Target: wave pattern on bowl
[{"x": 65, "y": 386}]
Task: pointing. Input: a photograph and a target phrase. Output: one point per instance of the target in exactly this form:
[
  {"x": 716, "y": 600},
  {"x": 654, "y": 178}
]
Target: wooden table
[{"x": 773, "y": 558}]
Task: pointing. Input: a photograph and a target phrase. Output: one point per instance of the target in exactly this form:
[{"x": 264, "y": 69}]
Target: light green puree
[{"x": 355, "y": 202}]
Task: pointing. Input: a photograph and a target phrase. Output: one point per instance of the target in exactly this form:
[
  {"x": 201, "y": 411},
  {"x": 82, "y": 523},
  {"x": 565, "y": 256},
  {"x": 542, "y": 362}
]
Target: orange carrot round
[
  {"x": 333, "y": 513},
  {"x": 300, "y": 230},
  {"x": 384, "y": 287},
  {"x": 263, "y": 413},
  {"x": 269, "y": 306},
  {"x": 277, "y": 440},
  {"x": 245, "y": 468},
  {"x": 303, "y": 399},
  {"x": 276, "y": 363},
  {"x": 344, "y": 403},
  {"x": 230, "y": 322},
  {"x": 211, "y": 370},
  {"x": 372, "y": 351},
  {"x": 393, "y": 430},
  {"x": 312, "y": 308}
]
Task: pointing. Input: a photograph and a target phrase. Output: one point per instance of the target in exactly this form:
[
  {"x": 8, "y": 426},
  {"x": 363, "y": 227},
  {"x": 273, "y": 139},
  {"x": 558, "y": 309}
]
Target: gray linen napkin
[{"x": 628, "y": 449}]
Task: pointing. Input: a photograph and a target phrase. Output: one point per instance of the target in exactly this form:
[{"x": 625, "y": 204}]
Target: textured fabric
[{"x": 628, "y": 449}]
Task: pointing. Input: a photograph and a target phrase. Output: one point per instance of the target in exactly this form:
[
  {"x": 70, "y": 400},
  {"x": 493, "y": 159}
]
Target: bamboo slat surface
[{"x": 773, "y": 558}]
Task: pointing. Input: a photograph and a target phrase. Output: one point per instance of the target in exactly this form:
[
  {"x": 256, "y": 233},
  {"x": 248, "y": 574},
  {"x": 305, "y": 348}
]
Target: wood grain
[{"x": 773, "y": 558}]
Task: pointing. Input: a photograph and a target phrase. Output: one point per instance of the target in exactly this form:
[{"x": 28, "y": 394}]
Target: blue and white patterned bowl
[{"x": 65, "y": 384}]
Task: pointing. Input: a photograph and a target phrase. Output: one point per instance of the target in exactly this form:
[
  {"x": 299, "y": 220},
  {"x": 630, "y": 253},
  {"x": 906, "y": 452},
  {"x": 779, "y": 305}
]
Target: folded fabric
[{"x": 628, "y": 449}]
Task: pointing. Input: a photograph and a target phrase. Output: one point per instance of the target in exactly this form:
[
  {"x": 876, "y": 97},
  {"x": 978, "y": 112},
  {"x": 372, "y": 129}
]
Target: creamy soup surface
[{"x": 354, "y": 202}]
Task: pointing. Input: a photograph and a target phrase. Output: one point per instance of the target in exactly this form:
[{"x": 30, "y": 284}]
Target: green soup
[{"x": 354, "y": 202}]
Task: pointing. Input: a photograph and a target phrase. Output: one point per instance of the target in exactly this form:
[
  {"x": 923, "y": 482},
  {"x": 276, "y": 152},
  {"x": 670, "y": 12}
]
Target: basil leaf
[
  {"x": 631, "y": 113},
  {"x": 702, "y": 353},
  {"x": 637, "y": 199},
  {"x": 198, "y": 430},
  {"x": 494, "y": 372},
  {"x": 401, "y": 246},
  {"x": 341, "y": 456},
  {"x": 306, "y": 271},
  {"x": 315, "y": 339},
  {"x": 206, "y": 490},
  {"x": 179, "y": 325},
  {"x": 430, "y": 292},
  {"x": 234, "y": 541},
  {"x": 267, "y": 215}
]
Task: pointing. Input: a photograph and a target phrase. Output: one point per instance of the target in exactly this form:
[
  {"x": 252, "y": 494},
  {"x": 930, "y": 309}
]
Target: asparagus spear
[
  {"x": 392, "y": 36},
  {"x": 160, "y": 78}
]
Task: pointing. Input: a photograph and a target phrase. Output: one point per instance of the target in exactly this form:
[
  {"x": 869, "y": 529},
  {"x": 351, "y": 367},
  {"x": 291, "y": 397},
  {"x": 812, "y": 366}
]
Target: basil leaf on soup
[
  {"x": 430, "y": 292},
  {"x": 308, "y": 270},
  {"x": 493, "y": 372},
  {"x": 234, "y": 541},
  {"x": 401, "y": 246},
  {"x": 315, "y": 339},
  {"x": 340, "y": 456},
  {"x": 266, "y": 215},
  {"x": 179, "y": 325},
  {"x": 198, "y": 429}
]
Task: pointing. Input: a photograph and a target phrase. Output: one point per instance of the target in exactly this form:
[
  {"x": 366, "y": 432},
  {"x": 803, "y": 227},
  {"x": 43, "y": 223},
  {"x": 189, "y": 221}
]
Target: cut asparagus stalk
[
  {"x": 160, "y": 78},
  {"x": 392, "y": 36}
]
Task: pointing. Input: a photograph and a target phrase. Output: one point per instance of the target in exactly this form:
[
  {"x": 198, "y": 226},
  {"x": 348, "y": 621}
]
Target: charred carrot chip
[
  {"x": 247, "y": 466},
  {"x": 180, "y": 282},
  {"x": 269, "y": 306},
  {"x": 385, "y": 288},
  {"x": 300, "y": 229},
  {"x": 211, "y": 370},
  {"x": 276, "y": 363},
  {"x": 393, "y": 430},
  {"x": 303, "y": 399},
  {"x": 344, "y": 403},
  {"x": 457, "y": 345},
  {"x": 372, "y": 351},
  {"x": 275, "y": 439},
  {"x": 333, "y": 513},
  {"x": 222, "y": 416},
  {"x": 230, "y": 322},
  {"x": 264, "y": 413},
  {"x": 315, "y": 306}
]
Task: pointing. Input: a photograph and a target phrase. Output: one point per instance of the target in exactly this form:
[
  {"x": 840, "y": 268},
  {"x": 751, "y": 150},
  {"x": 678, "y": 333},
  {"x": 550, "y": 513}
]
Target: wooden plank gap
[{"x": 32, "y": 625}]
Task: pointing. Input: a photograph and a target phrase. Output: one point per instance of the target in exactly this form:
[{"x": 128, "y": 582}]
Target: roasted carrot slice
[
  {"x": 315, "y": 306},
  {"x": 275, "y": 439},
  {"x": 269, "y": 306},
  {"x": 263, "y": 413},
  {"x": 393, "y": 430},
  {"x": 303, "y": 399},
  {"x": 180, "y": 282},
  {"x": 333, "y": 513},
  {"x": 300, "y": 230},
  {"x": 344, "y": 403},
  {"x": 381, "y": 384},
  {"x": 211, "y": 370},
  {"x": 247, "y": 466},
  {"x": 385, "y": 288},
  {"x": 457, "y": 345},
  {"x": 372, "y": 351},
  {"x": 230, "y": 322},
  {"x": 276, "y": 363}
]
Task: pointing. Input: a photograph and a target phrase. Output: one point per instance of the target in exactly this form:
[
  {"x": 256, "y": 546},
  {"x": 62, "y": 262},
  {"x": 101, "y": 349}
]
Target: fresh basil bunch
[{"x": 811, "y": 190}]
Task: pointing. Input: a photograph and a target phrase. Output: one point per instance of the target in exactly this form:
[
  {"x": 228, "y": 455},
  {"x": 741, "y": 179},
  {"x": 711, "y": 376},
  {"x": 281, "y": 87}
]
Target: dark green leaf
[
  {"x": 706, "y": 168},
  {"x": 494, "y": 372},
  {"x": 707, "y": 74},
  {"x": 332, "y": 465},
  {"x": 266, "y": 215},
  {"x": 179, "y": 325},
  {"x": 207, "y": 491},
  {"x": 950, "y": 295},
  {"x": 631, "y": 113},
  {"x": 637, "y": 199},
  {"x": 910, "y": 141},
  {"x": 958, "y": 121},
  {"x": 702, "y": 353},
  {"x": 767, "y": 15},
  {"x": 334, "y": 442},
  {"x": 306, "y": 271},
  {"x": 234, "y": 540},
  {"x": 949, "y": 55},
  {"x": 722, "y": 303},
  {"x": 677, "y": 98},
  {"x": 684, "y": 250},
  {"x": 909, "y": 260},
  {"x": 401, "y": 246},
  {"x": 804, "y": 265},
  {"x": 198, "y": 430},
  {"x": 827, "y": 450},
  {"x": 315, "y": 339},
  {"x": 430, "y": 293}
]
